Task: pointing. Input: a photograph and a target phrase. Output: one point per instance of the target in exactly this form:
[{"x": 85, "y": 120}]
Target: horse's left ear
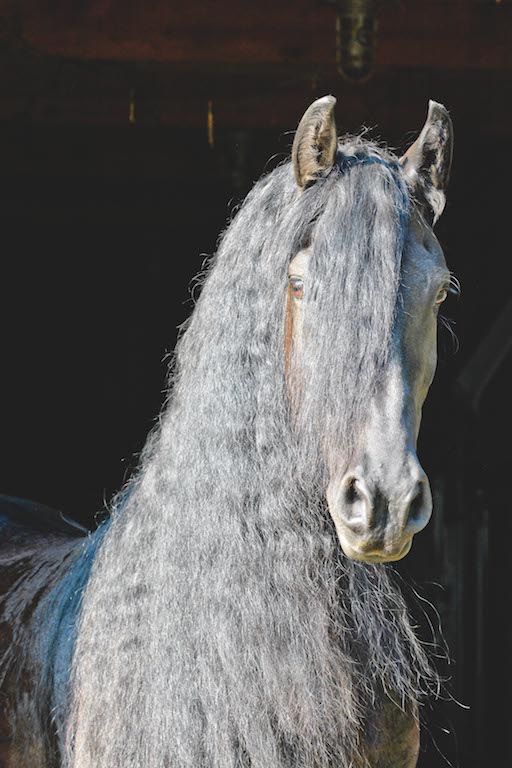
[
  {"x": 427, "y": 162},
  {"x": 315, "y": 143}
]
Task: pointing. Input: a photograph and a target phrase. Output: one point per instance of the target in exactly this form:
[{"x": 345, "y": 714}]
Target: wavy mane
[{"x": 222, "y": 626}]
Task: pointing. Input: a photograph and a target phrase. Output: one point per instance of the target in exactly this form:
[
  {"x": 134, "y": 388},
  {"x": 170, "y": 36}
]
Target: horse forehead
[{"x": 423, "y": 258}]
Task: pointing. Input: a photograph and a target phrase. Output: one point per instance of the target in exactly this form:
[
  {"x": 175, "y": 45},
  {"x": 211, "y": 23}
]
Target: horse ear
[
  {"x": 315, "y": 143},
  {"x": 427, "y": 162}
]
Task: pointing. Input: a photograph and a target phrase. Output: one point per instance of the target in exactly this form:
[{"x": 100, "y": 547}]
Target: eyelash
[{"x": 453, "y": 288}]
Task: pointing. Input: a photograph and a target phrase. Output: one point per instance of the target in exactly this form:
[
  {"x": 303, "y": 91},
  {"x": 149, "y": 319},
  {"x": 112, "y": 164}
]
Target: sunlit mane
[{"x": 221, "y": 625}]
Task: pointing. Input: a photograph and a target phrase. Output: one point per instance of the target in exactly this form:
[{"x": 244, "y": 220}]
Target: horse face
[
  {"x": 384, "y": 497},
  {"x": 381, "y": 496}
]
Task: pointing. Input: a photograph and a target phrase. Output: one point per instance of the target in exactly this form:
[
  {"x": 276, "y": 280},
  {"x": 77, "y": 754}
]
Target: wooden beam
[
  {"x": 431, "y": 33},
  {"x": 52, "y": 92}
]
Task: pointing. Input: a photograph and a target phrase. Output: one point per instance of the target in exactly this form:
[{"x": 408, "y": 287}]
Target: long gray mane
[{"x": 222, "y": 627}]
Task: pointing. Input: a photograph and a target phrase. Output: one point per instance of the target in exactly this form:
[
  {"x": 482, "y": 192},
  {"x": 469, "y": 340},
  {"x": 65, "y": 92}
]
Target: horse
[{"x": 237, "y": 608}]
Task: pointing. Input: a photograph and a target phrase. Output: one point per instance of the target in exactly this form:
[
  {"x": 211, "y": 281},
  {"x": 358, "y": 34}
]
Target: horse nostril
[
  {"x": 420, "y": 506},
  {"x": 357, "y": 504},
  {"x": 352, "y": 494}
]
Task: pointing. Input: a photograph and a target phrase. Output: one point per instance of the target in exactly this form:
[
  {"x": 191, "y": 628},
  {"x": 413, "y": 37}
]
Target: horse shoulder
[{"x": 32, "y": 561}]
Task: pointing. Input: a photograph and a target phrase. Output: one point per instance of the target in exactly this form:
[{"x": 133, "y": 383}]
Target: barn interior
[{"x": 129, "y": 133}]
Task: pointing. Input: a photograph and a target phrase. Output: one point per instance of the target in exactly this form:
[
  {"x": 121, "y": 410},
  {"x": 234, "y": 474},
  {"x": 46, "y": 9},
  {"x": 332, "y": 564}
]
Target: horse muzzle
[{"x": 376, "y": 525}]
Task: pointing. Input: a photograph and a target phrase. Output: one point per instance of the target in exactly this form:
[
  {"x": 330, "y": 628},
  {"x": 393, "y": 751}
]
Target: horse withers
[{"x": 236, "y": 610}]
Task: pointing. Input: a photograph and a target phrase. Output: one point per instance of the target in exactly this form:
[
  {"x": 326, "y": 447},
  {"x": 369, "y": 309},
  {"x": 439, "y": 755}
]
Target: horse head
[{"x": 377, "y": 492}]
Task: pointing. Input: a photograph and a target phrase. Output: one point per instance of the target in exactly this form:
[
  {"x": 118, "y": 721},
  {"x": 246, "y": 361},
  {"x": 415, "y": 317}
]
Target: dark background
[{"x": 112, "y": 196}]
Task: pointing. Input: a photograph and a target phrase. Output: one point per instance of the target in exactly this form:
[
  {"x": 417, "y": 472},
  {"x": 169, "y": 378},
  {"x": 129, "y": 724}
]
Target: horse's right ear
[
  {"x": 427, "y": 162},
  {"x": 315, "y": 143}
]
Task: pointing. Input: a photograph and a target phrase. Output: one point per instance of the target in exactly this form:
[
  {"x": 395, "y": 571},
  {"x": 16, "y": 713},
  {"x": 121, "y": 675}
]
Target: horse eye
[
  {"x": 441, "y": 296},
  {"x": 297, "y": 286}
]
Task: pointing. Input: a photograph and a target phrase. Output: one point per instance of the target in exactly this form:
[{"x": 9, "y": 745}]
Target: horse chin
[
  {"x": 376, "y": 556},
  {"x": 373, "y": 554}
]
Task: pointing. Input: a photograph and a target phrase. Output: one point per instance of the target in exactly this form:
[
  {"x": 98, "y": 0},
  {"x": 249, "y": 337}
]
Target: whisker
[{"x": 448, "y": 323}]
